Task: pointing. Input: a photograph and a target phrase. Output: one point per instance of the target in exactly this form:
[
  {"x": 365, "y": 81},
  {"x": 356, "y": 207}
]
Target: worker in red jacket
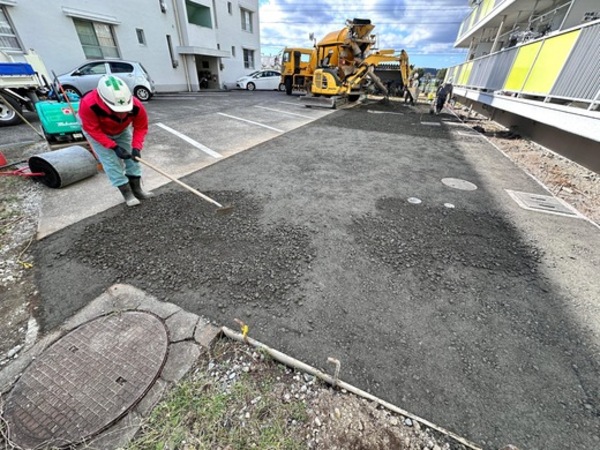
[{"x": 115, "y": 124}]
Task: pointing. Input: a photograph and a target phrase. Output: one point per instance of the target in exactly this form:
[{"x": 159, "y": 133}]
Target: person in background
[
  {"x": 115, "y": 124},
  {"x": 443, "y": 96}
]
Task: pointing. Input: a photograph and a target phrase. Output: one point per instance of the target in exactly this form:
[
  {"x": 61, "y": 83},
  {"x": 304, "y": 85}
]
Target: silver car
[{"x": 85, "y": 77}]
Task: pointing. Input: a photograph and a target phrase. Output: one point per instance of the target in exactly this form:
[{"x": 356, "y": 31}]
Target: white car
[
  {"x": 261, "y": 79},
  {"x": 85, "y": 77}
]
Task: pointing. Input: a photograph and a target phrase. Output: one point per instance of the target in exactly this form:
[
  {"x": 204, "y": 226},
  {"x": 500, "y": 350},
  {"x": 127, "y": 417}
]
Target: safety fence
[{"x": 563, "y": 68}]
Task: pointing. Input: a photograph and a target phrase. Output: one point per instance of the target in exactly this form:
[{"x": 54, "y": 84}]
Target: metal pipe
[
  {"x": 334, "y": 381},
  {"x": 182, "y": 41}
]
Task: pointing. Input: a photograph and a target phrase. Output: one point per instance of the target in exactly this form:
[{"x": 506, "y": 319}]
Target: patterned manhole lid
[
  {"x": 542, "y": 203},
  {"x": 86, "y": 381},
  {"x": 457, "y": 183}
]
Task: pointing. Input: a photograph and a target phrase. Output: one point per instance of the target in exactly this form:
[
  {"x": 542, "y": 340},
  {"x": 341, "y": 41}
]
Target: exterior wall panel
[
  {"x": 580, "y": 77},
  {"x": 524, "y": 61},
  {"x": 549, "y": 62}
]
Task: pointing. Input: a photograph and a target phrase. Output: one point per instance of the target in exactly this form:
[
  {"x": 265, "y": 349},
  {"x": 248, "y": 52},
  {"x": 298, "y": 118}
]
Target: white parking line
[
  {"x": 196, "y": 144},
  {"x": 295, "y": 104},
  {"x": 249, "y": 121},
  {"x": 283, "y": 112}
]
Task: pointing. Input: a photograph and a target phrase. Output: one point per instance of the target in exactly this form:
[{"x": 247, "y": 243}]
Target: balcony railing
[
  {"x": 563, "y": 68},
  {"x": 483, "y": 10}
]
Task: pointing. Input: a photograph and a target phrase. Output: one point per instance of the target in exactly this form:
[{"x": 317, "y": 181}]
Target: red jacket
[{"x": 100, "y": 122}]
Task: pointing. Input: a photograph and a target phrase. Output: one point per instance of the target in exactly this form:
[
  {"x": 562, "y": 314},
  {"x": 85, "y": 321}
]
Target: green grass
[{"x": 200, "y": 414}]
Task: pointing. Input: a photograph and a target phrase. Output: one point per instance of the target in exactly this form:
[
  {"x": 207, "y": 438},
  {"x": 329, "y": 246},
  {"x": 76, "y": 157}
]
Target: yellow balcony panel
[
  {"x": 521, "y": 67},
  {"x": 465, "y": 73},
  {"x": 549, "y": 63},
  {"x": 486, "y": 7}
]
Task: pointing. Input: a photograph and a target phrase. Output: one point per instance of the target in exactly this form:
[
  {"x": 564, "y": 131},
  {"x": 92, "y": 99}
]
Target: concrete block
[
  {"x": 152, "y": 397},
  {"x": 181, "y": 326},
  {"x": 206, "y": 333},
  {"x": 181, "y": 358}
]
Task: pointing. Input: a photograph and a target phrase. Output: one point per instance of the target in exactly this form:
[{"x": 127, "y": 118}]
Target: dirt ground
[{"x": 18, "y": 213}]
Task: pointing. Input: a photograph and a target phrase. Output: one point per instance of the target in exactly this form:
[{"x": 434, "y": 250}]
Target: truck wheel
[
  {"x": 353, "y": 98},
  {"x": 288, "y": 86},
  {"x": 8, "y": 116}
]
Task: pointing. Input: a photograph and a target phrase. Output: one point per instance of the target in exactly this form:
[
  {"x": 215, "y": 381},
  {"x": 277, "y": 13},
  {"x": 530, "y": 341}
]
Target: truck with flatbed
[{"x": 22, "y": 83}]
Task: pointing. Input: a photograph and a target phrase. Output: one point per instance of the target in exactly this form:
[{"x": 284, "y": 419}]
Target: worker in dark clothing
[
  {"x": 443, "y": 95},
  {"x": 115, "y": 124}
]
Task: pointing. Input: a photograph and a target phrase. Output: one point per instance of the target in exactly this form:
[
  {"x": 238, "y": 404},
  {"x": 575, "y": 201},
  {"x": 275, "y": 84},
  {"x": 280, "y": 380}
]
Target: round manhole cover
[
  {"x": 457, "y": 183},
  {"x": 86, "y": 380}
]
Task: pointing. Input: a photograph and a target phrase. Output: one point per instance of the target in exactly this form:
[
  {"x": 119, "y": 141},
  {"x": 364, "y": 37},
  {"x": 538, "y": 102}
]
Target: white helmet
[{"x": 115, "y": 93}]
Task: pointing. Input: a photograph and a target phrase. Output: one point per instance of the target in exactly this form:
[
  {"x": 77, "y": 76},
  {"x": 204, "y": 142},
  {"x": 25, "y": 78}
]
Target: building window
[
  {"x": 8, "y": 38},
  {"x": 97, "y": 39},
  {"x": 233, "y": 51},
  {"x": 163, "y": 6},
  {"x": 140, "y": 36},
  {"x": 246, "y": 20},
  {"x": 248, "y": 59},
  {"x": 198, "y": 14},
  {"x": 229, "y": 8}
]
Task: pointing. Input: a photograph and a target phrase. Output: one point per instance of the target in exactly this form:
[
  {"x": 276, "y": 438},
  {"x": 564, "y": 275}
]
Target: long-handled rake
[{"x": 222, "y": 210}]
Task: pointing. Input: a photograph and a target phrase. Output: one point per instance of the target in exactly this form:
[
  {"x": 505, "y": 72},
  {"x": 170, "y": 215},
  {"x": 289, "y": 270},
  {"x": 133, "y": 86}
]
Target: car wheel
[
  {"x": 8, "y": 116},
  {"x": 142, "y": 93},
  {"x": 281, "y": 87},
  {"x": 251, "y": 86},
  {"x": 71, "y": 90}
]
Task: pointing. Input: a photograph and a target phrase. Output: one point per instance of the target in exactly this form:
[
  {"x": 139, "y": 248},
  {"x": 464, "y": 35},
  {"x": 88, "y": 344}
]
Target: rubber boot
[
  {"x": 136, "y": 187},
  {"x": 128, "y": 195}
]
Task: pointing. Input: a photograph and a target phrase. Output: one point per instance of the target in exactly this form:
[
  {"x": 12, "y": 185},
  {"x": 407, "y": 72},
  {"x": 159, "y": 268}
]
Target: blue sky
[{"x": 426, "y": 29}]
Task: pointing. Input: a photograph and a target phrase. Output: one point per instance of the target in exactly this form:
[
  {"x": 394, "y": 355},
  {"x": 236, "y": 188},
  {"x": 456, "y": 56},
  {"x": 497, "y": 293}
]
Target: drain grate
[{"x": 542, "y": 203}]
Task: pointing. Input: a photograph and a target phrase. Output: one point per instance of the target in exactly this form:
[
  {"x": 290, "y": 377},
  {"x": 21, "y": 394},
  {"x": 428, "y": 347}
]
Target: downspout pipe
[{"x": 181, "y": 42}]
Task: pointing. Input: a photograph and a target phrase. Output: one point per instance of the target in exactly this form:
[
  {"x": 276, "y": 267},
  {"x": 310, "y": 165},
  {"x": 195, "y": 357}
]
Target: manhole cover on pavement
[
  {"x": 457, "y": 183},
  {"x": 542, "y": 203},
  {"x": 86, "y": 380}
]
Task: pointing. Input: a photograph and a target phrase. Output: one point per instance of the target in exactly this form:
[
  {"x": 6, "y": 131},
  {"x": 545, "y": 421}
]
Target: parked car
[
  {"x": 84, "y": 78},
  {"x": 261, "y": 79}
]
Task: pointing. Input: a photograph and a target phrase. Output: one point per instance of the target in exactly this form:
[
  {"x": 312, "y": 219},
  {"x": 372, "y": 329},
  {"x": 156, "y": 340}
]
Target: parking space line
[
  {"x": 295, "y": 104},
  {"x": 283, "y": 112},
  {"x": 196, "y": 144},
  {"x": 250, "y": 121}
]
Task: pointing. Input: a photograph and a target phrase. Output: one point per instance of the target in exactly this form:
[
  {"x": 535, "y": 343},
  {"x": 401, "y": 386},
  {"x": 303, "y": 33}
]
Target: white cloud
[{"x": 418, "y": 26}]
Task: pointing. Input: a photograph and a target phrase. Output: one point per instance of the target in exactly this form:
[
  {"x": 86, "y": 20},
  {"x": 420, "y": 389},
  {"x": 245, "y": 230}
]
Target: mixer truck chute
[{"x": 345, "y": 63}]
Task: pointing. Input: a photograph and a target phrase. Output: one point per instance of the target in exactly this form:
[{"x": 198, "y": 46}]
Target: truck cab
[{"x": 297, "y": 68}]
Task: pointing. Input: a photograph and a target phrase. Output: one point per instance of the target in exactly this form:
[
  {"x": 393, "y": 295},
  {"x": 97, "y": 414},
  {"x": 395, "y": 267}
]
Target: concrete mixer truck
[{"x": 345, "y": 62}]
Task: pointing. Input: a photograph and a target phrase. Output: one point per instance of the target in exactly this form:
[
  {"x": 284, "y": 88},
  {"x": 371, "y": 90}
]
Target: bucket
[{"x": 64, "y": 167}]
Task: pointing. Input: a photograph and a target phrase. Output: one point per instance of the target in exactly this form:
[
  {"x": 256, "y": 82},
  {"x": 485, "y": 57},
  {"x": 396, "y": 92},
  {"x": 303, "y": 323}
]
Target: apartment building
[
  {"x": 185, "y": 45},
  {"x": 535, "y": 65}
]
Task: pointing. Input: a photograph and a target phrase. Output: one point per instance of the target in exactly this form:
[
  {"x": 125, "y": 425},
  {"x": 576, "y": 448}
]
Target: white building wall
[
  {"x": 48, "y": 28},
  {"x": 230, "y": 34}
]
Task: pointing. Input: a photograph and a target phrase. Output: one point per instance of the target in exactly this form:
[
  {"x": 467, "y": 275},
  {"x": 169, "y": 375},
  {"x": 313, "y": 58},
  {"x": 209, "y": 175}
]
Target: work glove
[
  {"x": 135, "y": 153},
  {"x": 121, "y": 152}
]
